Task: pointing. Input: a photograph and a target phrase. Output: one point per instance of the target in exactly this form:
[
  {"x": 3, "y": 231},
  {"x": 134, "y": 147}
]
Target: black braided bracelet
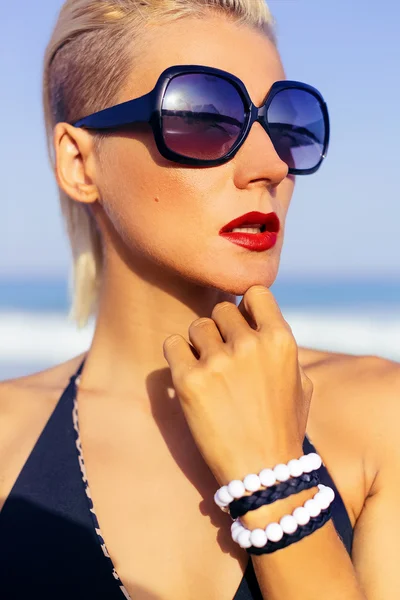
[
  {"x": 294, "y": 485},
  {"x": 291, "y": 538}
]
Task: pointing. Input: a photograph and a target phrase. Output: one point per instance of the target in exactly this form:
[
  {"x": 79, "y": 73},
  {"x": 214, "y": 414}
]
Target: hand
[{"x": 246, "y": 398}]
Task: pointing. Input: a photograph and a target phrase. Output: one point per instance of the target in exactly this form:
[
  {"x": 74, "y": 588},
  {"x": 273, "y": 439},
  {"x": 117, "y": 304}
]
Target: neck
[{"x": 135, "y": 316}]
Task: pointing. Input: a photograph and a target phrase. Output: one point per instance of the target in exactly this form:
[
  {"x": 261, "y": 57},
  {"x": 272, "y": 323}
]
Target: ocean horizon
[{"x": 340, "y": 315}]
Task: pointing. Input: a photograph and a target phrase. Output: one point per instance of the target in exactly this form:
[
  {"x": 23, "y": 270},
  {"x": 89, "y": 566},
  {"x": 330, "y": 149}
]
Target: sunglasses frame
[{"x": 147, "y": 109}]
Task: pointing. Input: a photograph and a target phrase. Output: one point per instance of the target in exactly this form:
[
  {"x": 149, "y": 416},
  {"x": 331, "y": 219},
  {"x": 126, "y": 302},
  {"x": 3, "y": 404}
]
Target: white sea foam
[{"x": 29, "y": 340}]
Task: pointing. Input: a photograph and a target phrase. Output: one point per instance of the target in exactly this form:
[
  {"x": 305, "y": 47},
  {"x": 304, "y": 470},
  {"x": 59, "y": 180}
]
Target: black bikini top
[{"x": 50, "y": 542}]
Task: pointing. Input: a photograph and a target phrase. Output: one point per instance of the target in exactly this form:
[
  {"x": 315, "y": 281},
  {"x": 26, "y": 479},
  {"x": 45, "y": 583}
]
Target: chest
[
  {"x": 154, "y": 505},
  {"x": 153, "y": 497}
]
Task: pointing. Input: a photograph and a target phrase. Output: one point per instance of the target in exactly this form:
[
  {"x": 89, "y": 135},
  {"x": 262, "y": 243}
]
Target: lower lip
[{"x": 258, "y": 242}]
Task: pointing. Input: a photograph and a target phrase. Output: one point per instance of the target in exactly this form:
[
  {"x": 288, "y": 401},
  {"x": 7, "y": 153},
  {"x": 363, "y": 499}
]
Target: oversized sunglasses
[{"x": 201, "y": 116}]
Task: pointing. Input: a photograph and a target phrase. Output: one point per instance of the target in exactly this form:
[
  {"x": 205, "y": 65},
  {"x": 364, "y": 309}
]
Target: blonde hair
[{"x": 86, "y": 62}]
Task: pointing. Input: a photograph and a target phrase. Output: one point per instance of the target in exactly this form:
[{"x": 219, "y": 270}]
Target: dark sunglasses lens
[
  {"x": 202, "y": 116},
  {"x": 297, "y": 128}
]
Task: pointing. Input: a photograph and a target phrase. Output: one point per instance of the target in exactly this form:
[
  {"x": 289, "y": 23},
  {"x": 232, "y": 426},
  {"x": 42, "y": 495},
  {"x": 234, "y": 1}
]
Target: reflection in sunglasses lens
[
  {"x": 297, "y": 128},
  {"x": 202, "y": 116}
]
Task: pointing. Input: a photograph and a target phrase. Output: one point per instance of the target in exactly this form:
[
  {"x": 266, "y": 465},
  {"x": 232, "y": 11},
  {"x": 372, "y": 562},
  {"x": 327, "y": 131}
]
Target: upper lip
[{"x": 268, "y": 221}]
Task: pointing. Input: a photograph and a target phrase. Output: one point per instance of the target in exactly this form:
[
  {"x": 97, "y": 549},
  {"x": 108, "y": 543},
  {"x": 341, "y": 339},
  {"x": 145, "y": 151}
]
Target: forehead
[{"x": 213, "y": 41}]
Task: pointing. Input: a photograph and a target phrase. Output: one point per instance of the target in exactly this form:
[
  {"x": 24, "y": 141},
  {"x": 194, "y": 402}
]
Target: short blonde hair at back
[{"x": 86, "y": 62}]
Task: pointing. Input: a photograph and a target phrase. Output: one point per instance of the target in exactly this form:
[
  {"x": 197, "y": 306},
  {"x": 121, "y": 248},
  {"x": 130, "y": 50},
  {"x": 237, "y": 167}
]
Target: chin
[{"x": 238, "y": 281}]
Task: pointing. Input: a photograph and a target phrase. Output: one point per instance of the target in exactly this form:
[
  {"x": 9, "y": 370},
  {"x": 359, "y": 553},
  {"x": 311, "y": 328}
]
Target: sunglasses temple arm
[{"x": 138, "y": 110}]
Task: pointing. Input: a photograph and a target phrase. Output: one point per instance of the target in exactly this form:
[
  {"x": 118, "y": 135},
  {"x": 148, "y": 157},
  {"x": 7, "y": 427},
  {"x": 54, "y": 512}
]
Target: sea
[{"x": 354, "y": 316}]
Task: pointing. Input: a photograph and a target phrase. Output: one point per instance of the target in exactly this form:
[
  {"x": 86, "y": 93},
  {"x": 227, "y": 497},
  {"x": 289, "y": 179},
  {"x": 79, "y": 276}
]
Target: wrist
[
  {"x": 261, "y": 517},
  {"x": 255, "y": 463}
]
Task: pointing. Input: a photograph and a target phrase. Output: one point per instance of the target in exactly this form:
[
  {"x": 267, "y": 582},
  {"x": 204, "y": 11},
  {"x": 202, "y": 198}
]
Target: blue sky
[{"x": 344, "y": 221}]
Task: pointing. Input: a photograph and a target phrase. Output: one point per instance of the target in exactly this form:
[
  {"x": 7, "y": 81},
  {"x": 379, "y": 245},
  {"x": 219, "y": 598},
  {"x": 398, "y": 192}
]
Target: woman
[{"x": 182, "y": 392}]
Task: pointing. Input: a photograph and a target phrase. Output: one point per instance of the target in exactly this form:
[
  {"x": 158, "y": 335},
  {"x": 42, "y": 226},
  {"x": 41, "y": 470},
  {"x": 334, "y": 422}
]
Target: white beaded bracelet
[
  {"x": 266, "y": 478},
  {"x": 288, "y": 524}
]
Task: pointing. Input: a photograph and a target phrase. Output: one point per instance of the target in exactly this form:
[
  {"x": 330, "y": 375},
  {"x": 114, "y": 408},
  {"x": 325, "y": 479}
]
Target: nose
[{"x": 258, "y": 160}]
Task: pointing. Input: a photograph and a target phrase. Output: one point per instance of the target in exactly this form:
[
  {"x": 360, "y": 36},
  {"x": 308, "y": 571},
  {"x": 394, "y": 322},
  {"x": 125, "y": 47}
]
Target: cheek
[
  {"x": 144, "y": 194},
  {"x": 131, "y": 171},
  {"x": 172, "y": 215}
]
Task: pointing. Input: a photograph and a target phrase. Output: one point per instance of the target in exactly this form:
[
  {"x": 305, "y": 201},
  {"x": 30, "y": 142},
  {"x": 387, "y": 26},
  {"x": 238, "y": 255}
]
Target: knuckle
[
  {"x": 246, "y": 344},
  {"x": 225, "y": 305},
  {"x": 172, "y": 340},
  {"x": 256, "y": 290},
  {"x": 284, "y": 340},
  {"x": 190, "y": 379},
  {"x": 201, "y": 322},
  {"x": 217, "y": 362}
]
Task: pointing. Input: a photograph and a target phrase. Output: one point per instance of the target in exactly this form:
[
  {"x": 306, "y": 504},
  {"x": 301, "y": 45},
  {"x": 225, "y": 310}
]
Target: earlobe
[{"x": 75, "y": 165}]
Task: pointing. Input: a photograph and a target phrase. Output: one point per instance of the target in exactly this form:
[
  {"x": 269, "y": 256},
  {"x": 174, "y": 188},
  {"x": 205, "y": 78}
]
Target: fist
[{"x": 240, "y": 385}]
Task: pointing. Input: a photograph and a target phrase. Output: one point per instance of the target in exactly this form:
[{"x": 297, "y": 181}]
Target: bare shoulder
[
  {"x": 357, "y": 398},
  {"x": 356, "y": 378},
  {"x": 26, "y": 404},
  {"x": 18, "y": 394}
]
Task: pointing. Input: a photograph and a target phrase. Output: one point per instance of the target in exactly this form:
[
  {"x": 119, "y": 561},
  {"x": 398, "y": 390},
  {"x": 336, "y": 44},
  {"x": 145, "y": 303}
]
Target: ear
[{"x": 75, "y": 163}]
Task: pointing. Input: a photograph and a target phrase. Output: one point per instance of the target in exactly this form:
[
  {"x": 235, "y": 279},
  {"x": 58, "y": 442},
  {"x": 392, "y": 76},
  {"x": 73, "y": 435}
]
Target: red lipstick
[{"x": 268, "y": 224}]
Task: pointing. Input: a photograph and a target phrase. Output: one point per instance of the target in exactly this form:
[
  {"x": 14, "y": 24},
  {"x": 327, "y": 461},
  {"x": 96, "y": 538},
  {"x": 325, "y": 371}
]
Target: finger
[
  {"x": 178, "y": 353},
  {"x": 260, "y": 305},
  {"x": 205, "y": 337},
  {"x": 247, "y": 316},
  {"x": 230, "y": 321}
]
